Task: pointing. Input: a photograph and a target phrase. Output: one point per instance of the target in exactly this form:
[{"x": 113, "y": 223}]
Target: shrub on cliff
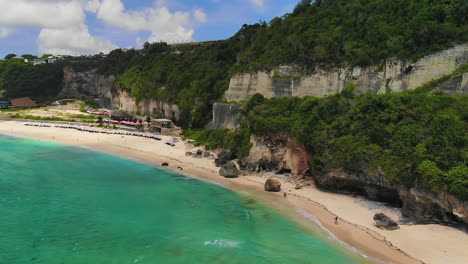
[{"x": 236, "y": 141}]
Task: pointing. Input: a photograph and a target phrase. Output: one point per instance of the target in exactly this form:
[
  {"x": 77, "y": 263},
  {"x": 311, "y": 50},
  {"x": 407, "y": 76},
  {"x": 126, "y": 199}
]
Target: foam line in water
[
  {"x": 224, "y": 243},
  {"x": 314, "y": 219}
]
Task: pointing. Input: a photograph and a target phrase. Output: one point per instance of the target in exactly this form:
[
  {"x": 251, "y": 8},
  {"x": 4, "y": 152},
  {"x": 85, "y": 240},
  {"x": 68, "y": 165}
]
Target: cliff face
[
  {"x": 122, "y": 100},
  {"x": 89, "y": 82},
  {"x": 94, "y": 84},
  {"x": 225, "y": 116},
  {"x": 456, "y": 85},
  {"x": 395, "y": 76},
  {"x": 419, "y": 205},
  {"x": 277, "y": 153}
]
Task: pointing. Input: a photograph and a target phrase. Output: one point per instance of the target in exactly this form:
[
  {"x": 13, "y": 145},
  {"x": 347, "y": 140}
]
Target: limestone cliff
[
  {"x": 122, "y": 100},
  {"x": 92, "y": 83},
  {"x": 225, "y": 116},
  {"x": 394, "y": 75},
  {"x": 88, "y": 82}
]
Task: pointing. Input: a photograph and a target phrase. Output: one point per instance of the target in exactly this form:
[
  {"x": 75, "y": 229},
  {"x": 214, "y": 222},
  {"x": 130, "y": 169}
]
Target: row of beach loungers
[{"x": 96, "y": 130}]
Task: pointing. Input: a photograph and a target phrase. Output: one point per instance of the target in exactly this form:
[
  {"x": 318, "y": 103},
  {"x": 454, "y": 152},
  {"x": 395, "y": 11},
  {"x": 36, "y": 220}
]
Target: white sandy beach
[{"x": 433, "y": 244}]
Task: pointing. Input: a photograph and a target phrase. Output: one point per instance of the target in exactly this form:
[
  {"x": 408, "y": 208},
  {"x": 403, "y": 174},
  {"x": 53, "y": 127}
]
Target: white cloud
[
  {"x": 62, "y": 23},
  {"x": 200, "y": 15},
  {"x": 63, "y": 28},
  {"x": 57, "y": 14},
  {"x": 92, "y": 5},
  {"x": 163, "y": 24},
  {"x": 72, "y": 41},
  {"x": 5, "y": 32}
]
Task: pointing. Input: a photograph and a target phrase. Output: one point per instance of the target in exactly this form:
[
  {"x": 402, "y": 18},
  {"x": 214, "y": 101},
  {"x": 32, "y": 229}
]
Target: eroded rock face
[
  {"x": 418, "y": 205},
  {"x": 456, "y": 85},
  {"x": 225, "y": 116},
  {"x": 229, "y": 170},
  {"x": 272, "y": 185},
  {"x": 89, "y": 82},
  {"x": 122, "y": 100},
  {"x": 385, "y": 222},
  {"x": 395, "y": 75},
  {"x": 277, "y": 153},
  {"x": 373, "y": 185},
  {"x": 425, "y": 207}
]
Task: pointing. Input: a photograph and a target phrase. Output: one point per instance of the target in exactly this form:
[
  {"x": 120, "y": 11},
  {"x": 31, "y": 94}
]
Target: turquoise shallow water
[{"x": 61, "y": 204}]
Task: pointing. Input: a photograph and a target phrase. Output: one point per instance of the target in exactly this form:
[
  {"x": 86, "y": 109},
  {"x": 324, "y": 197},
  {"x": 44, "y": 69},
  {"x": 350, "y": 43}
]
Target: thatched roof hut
[{"x": 24, "y": 102}]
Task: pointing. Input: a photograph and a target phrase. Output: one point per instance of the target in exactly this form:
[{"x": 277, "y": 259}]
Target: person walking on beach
[
  {"x": 285, "y": 195},
  {"x": 336, "y": 220}
]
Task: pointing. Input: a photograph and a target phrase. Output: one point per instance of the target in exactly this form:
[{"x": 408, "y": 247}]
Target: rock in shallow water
[
  {"x": 385, "y": 222},
  {"x": 272, "y": 185}
]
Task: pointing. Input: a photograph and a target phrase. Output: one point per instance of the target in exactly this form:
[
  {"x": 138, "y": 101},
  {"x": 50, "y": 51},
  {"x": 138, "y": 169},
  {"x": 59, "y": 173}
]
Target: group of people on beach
[{"x": 96, "y": 130}]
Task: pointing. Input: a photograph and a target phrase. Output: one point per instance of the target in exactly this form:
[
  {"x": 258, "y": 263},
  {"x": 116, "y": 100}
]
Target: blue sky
[{"x": 92, "y": 26}]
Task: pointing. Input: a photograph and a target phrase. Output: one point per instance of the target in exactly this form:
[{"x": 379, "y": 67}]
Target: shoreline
[{"x": 354, "y": 229}]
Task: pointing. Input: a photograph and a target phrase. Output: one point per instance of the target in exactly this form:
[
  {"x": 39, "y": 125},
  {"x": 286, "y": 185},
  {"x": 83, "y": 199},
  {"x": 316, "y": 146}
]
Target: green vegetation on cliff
[
  {"x": 317, "y": 33},
  {"x": 413, "y": 138},
  {"x": 20, "y": 79},
  {"x": 194, "y": 80},
  {"x": 357, "y": 32},
  {"x": 236, "y": 141},
  {"x": 326, "y": 33}
]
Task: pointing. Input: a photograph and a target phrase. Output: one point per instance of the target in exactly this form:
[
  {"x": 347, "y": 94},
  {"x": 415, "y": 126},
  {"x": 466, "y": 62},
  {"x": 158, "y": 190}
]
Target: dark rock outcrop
[
  {"x": 165, "y": 164},
  {"x": 373, "y": 185},
  {"x": 272, "y": 185},
  {"x": 418, "y": 205},
  {"x": 425, "y": 207},
  {"x": 456, "y": 85},
  {"x": 229, "y": 170},
  {"x": 385, "y": 222},
  {"x": 224, "y": 157}
]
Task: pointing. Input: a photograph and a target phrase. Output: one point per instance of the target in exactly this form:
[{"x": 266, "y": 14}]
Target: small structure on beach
[
  {"x": 24, "y": 102},
  {"x": 4, "y": 103},
  {"x": 121, "y": 116},
  {"x": 164, "y": 127},
  {"x": 64, "y": 101}
]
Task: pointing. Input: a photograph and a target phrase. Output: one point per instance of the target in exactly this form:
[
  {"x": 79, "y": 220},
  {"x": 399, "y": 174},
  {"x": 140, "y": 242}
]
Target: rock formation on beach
[
  {"x": 272, "y": 185},
  {"x": 385, "y": 222},
  {"x": 229, "y": 170}
]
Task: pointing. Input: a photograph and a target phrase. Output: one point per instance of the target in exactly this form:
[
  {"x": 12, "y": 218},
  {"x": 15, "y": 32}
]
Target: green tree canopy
[{"x": 9, "y": 56}]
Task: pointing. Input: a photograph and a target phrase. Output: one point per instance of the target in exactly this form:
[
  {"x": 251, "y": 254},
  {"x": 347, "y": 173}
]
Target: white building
[{"x": 51, "y": 59}]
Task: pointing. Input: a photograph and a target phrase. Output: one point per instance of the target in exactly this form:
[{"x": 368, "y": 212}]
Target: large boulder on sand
[
  {"x": 385, "y": 222},
  {"x": 229, "y": 170},
  {"x": 272, "y": 185}
]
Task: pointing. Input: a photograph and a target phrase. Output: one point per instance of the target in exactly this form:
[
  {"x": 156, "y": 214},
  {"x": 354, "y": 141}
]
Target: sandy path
[{"x": 428, "y": 243}]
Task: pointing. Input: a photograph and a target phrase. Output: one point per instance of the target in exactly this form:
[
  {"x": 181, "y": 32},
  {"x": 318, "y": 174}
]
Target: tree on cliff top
[{"x": 9, "y": 56}]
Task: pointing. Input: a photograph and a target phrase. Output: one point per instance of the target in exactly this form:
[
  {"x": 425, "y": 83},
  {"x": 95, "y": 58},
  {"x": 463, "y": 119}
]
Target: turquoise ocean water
[{"x": 62, "y": 204}]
